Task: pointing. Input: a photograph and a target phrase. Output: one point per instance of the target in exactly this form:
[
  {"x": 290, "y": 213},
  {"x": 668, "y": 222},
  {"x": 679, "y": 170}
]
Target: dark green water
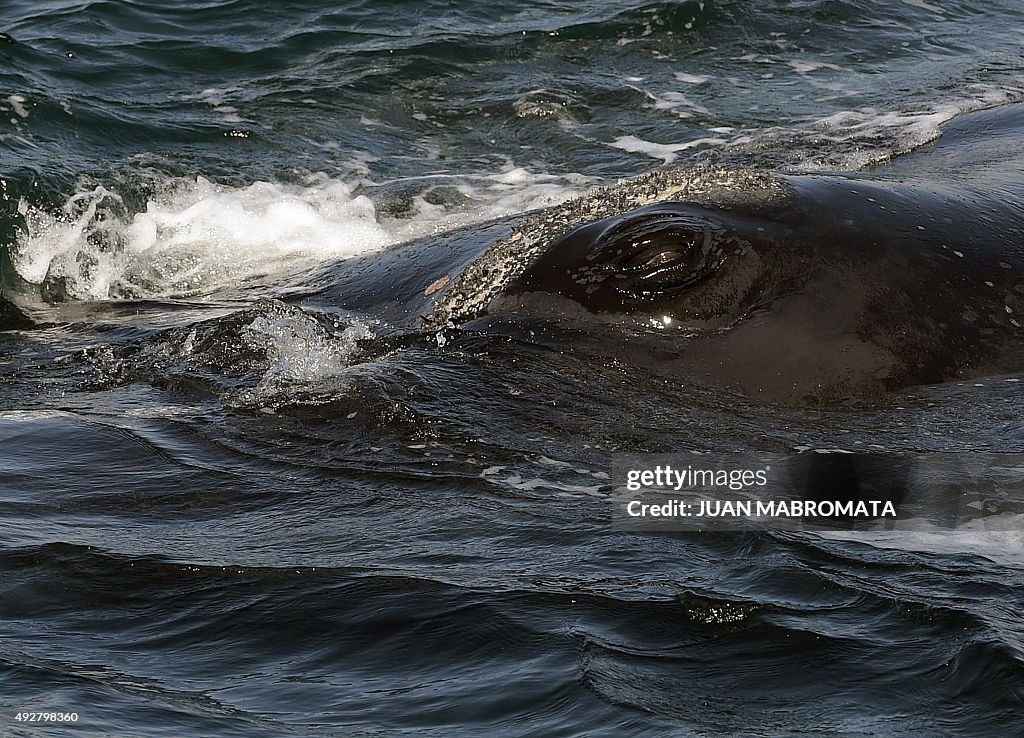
[{"x": 230, "y": 507}]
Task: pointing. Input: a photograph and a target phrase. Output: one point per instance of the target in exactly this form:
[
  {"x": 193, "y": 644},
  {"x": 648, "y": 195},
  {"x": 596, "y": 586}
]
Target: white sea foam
[
  {"x": 806, "y": 67},
  {"x": 894, "y": 132},
  {"x": 198, "y": 237},
  {"x": 925, "y": 6},
  {"x": 666, "y": 152},
  {"x": 847, "y": 139},
  {"x": 678, "y": 103},
  {"x": 216, "y": 99},
  {"x": 17, "y": 103},
  {"x": 1001, "y": 540},
  {"x": 692, "y": 79}
]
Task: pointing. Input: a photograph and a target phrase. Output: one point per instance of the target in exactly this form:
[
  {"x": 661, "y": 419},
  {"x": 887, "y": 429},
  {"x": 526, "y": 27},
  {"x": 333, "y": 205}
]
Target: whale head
[{"x": 794, "y": 289}]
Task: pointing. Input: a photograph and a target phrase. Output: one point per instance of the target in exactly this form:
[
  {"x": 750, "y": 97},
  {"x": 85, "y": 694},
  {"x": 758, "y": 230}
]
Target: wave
[{"x": 197, "y": 237}]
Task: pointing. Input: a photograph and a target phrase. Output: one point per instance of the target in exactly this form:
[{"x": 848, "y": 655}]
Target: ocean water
[{"x": 240, "y": 497}]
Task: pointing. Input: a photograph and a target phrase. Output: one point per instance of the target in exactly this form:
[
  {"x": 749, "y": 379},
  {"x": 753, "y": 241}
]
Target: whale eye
[{"x": 659, "y": 256}]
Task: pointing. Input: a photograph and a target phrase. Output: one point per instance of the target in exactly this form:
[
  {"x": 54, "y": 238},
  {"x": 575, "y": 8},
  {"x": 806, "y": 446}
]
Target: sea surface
[{"x": 230, "y": 506}]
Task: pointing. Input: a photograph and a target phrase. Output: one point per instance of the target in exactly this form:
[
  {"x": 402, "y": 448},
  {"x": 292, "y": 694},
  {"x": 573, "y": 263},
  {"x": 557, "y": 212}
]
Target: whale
[{"x": 791, "y": 288}]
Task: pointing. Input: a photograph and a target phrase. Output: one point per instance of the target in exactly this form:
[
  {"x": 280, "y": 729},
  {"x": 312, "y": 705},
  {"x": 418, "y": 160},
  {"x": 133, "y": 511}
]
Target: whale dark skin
[
  {"x": 797, "y": 289},
  {"x": 829, "y": 299}
]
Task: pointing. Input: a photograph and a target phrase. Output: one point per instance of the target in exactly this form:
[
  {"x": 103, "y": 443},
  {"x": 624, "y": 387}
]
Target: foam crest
[
  {"x": 197, "y": 237},
  {"x": 866, "y": 136}
]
